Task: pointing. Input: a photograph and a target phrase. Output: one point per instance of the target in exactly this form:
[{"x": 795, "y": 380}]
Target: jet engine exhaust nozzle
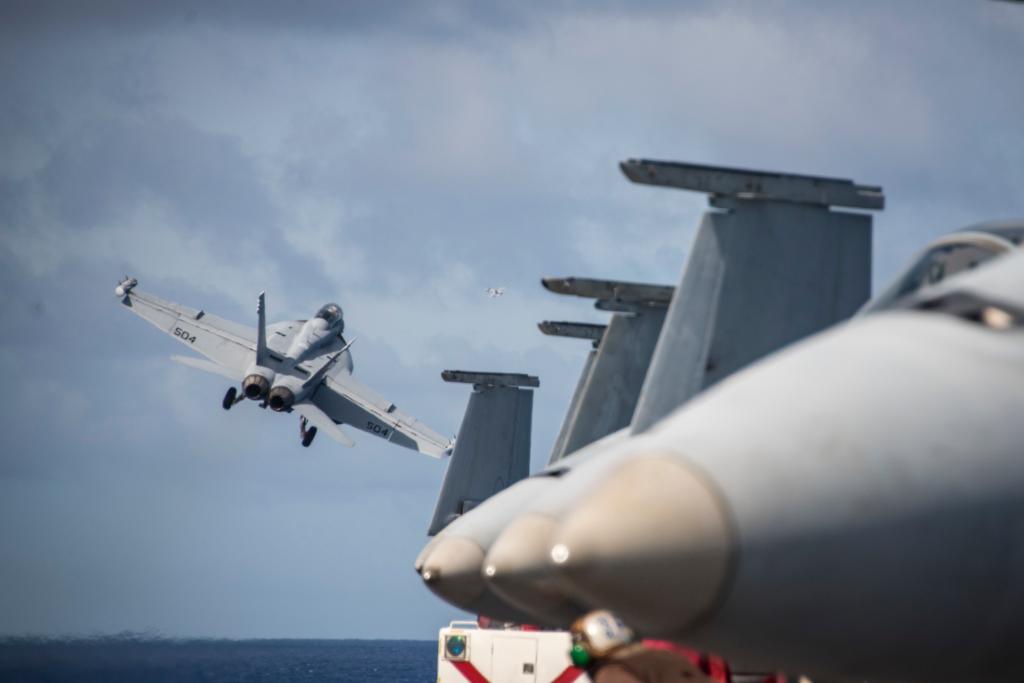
[
  {"x": 280, "y": 399},
  {"x": 255, "y": 387}
]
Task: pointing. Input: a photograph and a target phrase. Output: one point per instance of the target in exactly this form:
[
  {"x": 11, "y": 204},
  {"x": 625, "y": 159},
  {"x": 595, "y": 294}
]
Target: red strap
[
  {"x": 569, "y": 675},
  {"x": 718, "y": 669},
  {"x": 669, "y": 646},
  {"x": 469, "y": 672}
]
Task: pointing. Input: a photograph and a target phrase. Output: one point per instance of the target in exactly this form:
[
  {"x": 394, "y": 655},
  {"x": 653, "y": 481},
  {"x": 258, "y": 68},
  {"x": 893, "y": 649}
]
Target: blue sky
[{"x": 399, "y": 160}]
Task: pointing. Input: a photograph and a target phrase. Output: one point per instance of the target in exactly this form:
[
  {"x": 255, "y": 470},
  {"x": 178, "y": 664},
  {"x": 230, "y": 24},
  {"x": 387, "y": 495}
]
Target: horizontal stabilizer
[
  {"x": 610, "y": 290},
  {"x": 324, "y": 423},
  {"x": 745, "y": 183},
  {"x": 206, "y": 366},
  {"x": 359, "y": 407},
  {"x": 490, "y": 379},
  {"x": 573, "y": 330}
]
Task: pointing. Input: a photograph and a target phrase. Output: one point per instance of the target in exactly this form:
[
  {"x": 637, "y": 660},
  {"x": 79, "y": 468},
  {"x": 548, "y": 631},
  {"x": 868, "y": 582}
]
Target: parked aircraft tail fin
[
  {"x": 614, "y": 372},
  {"x": 774, "y": 262},
  {"x": 492, "y": 450}
]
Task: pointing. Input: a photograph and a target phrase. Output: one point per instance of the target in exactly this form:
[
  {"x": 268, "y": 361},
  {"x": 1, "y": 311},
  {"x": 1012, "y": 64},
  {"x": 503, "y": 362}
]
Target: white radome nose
[
  {"x": 427, "y": 549},
  {"x": 653, "y": 543},
  {"x": 518, "y": 569},
  {"x": 452, "y": 570}
]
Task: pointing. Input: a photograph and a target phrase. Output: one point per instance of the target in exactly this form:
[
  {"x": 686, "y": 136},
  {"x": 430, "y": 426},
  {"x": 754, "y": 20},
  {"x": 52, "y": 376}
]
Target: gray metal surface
[
  {"x": 611, "y": 290},
  {"x": 492, "y": 450},
  {"x": 608, "y": 398},
  {"x": 609, "y": 385},
  {"x": 768, "y": 185},
  {"x": 758, "y": 277},
  {"x": 492, "y": 379},
  {"x": 574, "y": 330},
  {"x": 571, "y": 415}
]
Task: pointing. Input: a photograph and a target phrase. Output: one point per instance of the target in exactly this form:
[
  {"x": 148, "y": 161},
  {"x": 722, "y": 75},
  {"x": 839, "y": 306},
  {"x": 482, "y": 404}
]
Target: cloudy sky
[{"x": 399, "y": 159}]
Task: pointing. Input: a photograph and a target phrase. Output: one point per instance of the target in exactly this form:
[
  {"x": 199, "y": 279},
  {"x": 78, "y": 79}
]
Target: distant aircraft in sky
[
  {"x": 495, "y": 292},
  {"x": 300, "y": 365}
]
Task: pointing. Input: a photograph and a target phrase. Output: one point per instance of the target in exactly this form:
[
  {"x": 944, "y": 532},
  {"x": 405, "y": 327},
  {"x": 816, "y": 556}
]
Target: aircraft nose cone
[
  {"x": 654, "y": 543},
  {"x": 452, "y": 571},
  {"x": 427, "y": 549},
  {"x": 518, "y": 569}
]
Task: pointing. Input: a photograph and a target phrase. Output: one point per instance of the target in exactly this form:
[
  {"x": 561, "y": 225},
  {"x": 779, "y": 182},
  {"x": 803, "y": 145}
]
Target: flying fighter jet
[
  {"x": 299, "y": 365},
  {"x": 495, "y": 292}
]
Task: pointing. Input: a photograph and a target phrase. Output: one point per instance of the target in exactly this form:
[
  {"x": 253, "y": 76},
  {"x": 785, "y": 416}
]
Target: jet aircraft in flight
[{"x": 299, "y": 365}]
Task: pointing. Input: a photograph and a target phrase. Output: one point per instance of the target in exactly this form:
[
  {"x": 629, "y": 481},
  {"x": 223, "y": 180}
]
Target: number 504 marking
[
  {"x": 376, "y": 428},
  {"x": 185, "y": 336}
]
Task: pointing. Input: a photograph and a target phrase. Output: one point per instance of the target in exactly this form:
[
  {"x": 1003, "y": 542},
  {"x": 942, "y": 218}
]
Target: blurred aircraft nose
[
  {"x": 653, "y": 543},
  {"x": 518, "y": 568},
  {"x": 425, "y": 553},
  {"x": 452, "y": 570}
]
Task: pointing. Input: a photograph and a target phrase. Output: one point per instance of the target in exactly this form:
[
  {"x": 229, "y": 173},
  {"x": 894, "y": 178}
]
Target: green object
[
  {"x": 455, "y": 646},
  {"x": 579, "y": 656}
]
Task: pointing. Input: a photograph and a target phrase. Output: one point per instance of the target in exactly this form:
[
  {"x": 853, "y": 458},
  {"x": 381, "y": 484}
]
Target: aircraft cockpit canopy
[
  {"x": 331, "y": 313},
  {"x": 950, "y": 255}
]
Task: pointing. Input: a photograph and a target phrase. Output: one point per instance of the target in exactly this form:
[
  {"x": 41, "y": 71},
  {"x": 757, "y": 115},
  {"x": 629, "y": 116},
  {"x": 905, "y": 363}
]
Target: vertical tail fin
[
  {"x": 609, "y": 386},
  {"x": 492, "y": 450},
  {"x": 593, "y": 333},
  {"x": 776, "y": 262},
  {"x": 261, "y": 330}
]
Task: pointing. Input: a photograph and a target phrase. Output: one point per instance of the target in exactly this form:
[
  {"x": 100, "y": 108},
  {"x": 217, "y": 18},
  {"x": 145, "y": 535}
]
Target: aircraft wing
[
  {"x": 347, "y": 401},
  {"x": 222, "y": 341}
]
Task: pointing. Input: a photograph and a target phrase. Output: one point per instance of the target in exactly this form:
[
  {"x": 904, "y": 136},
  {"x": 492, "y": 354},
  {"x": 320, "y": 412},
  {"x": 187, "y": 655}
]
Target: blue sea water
[{"x": 141, "y": 659}]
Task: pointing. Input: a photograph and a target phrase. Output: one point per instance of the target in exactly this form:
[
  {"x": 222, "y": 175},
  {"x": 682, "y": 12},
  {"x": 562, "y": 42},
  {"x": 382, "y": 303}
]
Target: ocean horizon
[{"x": 145, "y": 657}]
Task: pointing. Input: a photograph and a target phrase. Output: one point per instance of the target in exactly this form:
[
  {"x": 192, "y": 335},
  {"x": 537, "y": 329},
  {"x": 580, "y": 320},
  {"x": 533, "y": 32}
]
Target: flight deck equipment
[{"x": 467, "y": 652}]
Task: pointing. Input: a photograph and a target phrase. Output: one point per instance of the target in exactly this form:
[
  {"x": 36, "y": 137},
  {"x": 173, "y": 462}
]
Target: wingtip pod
[{"x": 125, "y": 286}]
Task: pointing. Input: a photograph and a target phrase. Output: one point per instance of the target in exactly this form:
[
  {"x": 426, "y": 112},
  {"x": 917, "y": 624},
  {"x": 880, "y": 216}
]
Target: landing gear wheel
[
  {"x": 229, "y": 398},
  {"x": 307, "y": 438}
]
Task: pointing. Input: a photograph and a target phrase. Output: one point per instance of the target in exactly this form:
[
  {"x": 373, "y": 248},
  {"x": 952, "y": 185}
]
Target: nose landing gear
[
  {"x": 307, "y": 434},
  {"x": 231, "y": 398}
]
